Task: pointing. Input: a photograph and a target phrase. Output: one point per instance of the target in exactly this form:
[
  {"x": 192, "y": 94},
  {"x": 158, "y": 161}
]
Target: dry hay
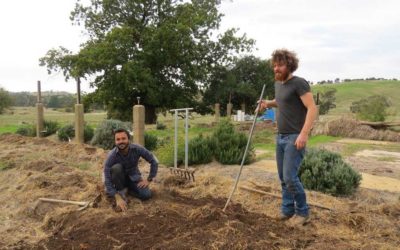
[
  {"x": 345, "y": 127},
  {"x": 182, "y": 214}
]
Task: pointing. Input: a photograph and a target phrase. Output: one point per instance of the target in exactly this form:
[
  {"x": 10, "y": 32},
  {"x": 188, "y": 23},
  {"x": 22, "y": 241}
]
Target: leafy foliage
[
  {"x": 229, "y": 145},
  {"x": 50, "y": 127},
  {"x": 66, "y": 132},
  {"x": 150, "y": 141},
  {"x": 165, "y": 153},
  {"x": 325, "y": 171},
  {"x": 200, "y": 150},
  {"x": 327, "y": 100},
  {"x": 104, "y": 136},
  {"x": 372, "y": 108},
  {"x": 156, "y": 50},
  {"x": 5, "y": 100},
  {"x": 240, "y": 84},
  {"x": 26, "y": 130}
]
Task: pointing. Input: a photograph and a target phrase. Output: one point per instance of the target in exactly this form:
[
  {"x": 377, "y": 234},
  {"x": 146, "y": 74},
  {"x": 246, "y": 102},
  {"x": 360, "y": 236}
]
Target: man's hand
[
  {"x": 121, "y": 203},
  {"x": 301, "y": 141},
  {"x": 143, "y": 184},
  {"x": 262, "y": 106}
]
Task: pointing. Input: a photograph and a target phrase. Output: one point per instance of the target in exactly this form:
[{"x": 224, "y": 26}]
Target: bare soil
[{"x": 181, "y": 215}]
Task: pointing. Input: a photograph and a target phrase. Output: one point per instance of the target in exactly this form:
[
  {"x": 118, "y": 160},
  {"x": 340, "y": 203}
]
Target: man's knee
[
  {"x": 144, "y": 194},
  {"x": 117, "y": 169}
]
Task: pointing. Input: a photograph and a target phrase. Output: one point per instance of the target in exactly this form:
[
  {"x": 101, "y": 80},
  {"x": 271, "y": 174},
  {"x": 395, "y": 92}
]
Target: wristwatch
[{"x": 149, "y": 179}]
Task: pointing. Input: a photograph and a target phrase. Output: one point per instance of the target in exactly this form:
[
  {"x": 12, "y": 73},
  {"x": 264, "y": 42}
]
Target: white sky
[{"x": 333, "y": 38}]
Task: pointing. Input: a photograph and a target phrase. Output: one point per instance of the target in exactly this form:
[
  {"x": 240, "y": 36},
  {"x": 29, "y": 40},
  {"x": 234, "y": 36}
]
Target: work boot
[
  {"x": 283, "y": 217},
  {"x": 298, "y": 220}
]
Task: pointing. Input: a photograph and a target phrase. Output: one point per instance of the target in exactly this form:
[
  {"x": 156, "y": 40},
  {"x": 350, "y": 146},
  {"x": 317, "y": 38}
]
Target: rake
[
  {"x": 245, "y": 151},
  {"x": 182, "y": 172}
]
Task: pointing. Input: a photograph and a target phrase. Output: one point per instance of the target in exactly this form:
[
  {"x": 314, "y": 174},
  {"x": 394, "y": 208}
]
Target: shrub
[
  {"x": 325, "y": 171},
  {"x": 372, "y": 108},
  {"x": 165, "y": 153},
  {"x": 161, "y": 126},
  {"x": 200, "y": 150},
  {"x": 229, "y": 145},
  {"x": 50, "y": 127},
  {"x": 103, "y": 135},
  {"x": 67, "y": 132},
  {"x": 26, "y": 130},
  {"x": 327, "y": 100},
  {"x": 150, "y": 141},
  {"x": 88, "y": 133}
]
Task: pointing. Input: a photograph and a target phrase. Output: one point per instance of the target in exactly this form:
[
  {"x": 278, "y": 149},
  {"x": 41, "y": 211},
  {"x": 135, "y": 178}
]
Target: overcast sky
[{"x": 333, "y": 38}]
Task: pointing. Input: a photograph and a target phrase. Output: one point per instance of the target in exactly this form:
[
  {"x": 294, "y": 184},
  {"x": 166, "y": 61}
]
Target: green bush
[
  {"x": 165, "y": 153},
  {"x": 67, "y": 132},
  {"x": 160, "y": 126},
  {"x": 325, "y": 171},
  {"x": 372, "y": 108},
  {"x": 200, "y": 150},
  {"x": 103, "y": 135},
  {"x": 229, "y": 145},
  {"x": 150, "y": 141},
  {"x": 88, "y": 133},
  {"x": 26, "y": 130},
  {"x": 50, "y": 127}
]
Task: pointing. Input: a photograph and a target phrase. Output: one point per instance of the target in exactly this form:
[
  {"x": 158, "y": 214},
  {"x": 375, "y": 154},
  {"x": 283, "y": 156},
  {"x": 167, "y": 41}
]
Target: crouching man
[{"x": 121, "y": 171}]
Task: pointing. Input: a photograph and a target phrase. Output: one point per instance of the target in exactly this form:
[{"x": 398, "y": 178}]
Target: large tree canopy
[
  {"x": 241, "y": 83},
  {"x": 159, "y": 50}
]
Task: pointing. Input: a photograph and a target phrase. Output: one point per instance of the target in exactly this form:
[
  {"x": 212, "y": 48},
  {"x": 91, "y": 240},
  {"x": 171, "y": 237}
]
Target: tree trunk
[{"x": 150, "y": 115}]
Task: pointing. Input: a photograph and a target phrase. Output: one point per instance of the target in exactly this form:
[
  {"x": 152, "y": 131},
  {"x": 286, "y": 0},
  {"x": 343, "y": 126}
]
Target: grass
[
  {"x": 8, "y": 129},
  {"x": 21, "y": 115},
  {"x": 353, "y": 91}
]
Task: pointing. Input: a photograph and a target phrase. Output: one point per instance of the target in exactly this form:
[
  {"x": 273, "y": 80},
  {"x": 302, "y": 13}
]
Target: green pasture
[{"x": 349, "y": 92}]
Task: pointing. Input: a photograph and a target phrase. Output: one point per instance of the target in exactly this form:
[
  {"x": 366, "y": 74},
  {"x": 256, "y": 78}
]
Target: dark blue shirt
[{"x": 130, "y": 164}]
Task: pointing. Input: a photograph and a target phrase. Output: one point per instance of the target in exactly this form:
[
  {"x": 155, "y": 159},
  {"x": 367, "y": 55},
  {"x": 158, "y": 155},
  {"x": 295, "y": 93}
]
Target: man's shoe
[
  {"x": 283, "y": 217},
  {"x": 298, "y": 220}
]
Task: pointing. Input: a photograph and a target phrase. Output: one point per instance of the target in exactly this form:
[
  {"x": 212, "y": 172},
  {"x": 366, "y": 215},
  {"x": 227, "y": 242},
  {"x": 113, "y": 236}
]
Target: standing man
[
  {"x": 121, "y": 171},
  {"x": 295, "y": 116}
]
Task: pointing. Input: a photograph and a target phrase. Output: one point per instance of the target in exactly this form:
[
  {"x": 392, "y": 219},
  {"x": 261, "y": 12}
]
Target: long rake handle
[
  {"x": 80, "y": 203},
  {"x": 247, "y": 148}
]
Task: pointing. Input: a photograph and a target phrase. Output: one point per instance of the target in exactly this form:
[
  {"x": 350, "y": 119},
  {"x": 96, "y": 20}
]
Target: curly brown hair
[{"x": 287, "y": 57}]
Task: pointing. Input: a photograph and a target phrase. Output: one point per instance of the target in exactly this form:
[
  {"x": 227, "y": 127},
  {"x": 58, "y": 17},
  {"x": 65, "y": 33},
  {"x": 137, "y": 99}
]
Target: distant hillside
[{"x": 349, "y": 92}]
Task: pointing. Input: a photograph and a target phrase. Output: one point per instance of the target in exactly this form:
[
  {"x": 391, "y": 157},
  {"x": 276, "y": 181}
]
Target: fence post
[
  {"x": 217, "y": 112},
  {"x": 40, "y": 116},
  {"x": 79, "y": 121},
  {"x": 138, "y": 123}
]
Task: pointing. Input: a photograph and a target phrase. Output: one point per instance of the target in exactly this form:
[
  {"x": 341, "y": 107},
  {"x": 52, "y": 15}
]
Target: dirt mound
[
  {"x": 345, "y": 127},
  {"x": 181, "y": 215}
]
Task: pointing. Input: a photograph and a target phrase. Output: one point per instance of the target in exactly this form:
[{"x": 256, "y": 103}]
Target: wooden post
[
  {"x": 79, "y": 120},
  {"x": 229, "y": 110},
  {"x": 217, "y": 112},
  {"x": 138, "y": 123},
  {"x": 40, "y": 115}
]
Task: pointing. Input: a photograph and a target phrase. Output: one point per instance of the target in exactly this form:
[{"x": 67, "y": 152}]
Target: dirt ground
[{"x": 182, "y": 214}]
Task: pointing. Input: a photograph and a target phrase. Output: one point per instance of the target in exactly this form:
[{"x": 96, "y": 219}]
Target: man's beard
[
  {"x": 122, "y": 146},
  {"x": 282, "y": 76}
]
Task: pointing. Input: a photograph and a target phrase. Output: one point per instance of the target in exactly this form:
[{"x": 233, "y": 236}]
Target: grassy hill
[{"x": 355, "y": 90}]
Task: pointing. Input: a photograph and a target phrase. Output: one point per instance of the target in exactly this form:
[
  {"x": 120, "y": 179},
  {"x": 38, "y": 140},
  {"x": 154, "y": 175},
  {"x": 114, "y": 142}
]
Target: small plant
[
  {"x": 150, "y": 141},
  {"x": 104, "y": 134},
  {"x": 161, "y": 126},
  {"x": 200, "y": 150},
  {"x": 67, "y": 132},
  {"x": 229, "y": 145},
  {"x": 165, "y": 153},
  {"x": 325, "y": 171},
  {"x": 372, "y": 108},
  {"x": 26, "y": 130},
  {"x": 50, "y": 127}
]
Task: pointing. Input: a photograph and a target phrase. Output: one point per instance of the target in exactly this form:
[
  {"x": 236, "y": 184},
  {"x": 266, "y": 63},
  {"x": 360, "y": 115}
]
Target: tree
[
  {"x": 5, "y": 100},
  {"x": 159, "y": 50},
  {"x": 372, "y": 108},
  {"x": 241, "y": 84},
  {"x": 326, "y": 100}
]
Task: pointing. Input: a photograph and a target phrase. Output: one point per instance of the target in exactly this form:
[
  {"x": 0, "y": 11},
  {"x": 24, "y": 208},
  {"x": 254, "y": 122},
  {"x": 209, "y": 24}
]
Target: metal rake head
[{"x": 184, "y": 173}]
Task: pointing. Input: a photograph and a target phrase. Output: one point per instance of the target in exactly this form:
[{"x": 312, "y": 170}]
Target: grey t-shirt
[{"x": 291, "y": 110}]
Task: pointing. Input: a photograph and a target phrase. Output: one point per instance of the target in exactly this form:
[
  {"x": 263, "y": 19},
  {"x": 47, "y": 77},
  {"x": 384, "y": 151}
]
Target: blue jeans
[
  {"x": 121, "y": 180},
  {"x": 288, "y": 160}
]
